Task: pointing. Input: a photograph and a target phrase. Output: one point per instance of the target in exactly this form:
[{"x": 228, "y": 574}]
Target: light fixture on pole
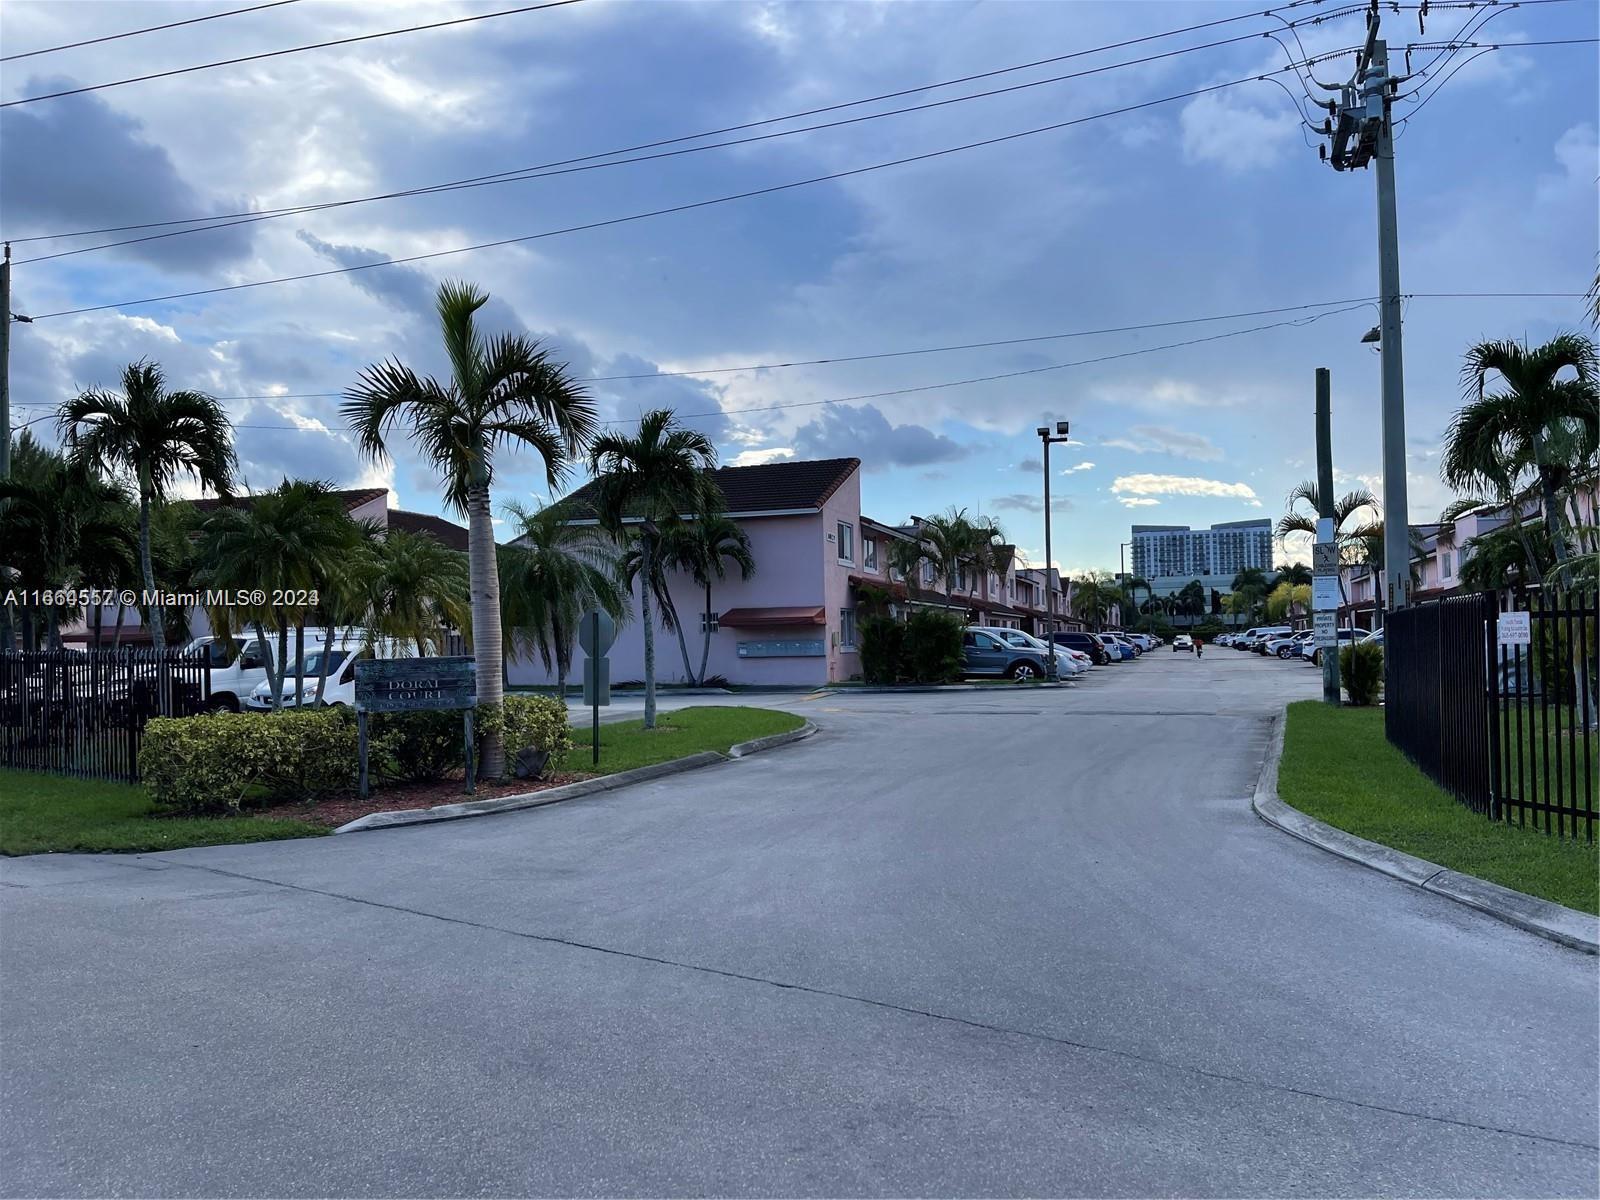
[{"x": 1047, "y": 438}]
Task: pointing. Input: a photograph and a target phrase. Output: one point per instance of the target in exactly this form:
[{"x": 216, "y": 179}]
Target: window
[
  {"x": 963, "y": 579},
  {"x": 1011, "y": 589},
  {"x": 994, "y": 584},
  {"x": 869, "y": 553},
  {"x": 927, "y": 572},
  {"x": 1444, "y": 565},
  {"x": 708, "y": 622},
  {"x": 847, "y": 629},
  {"x": 847, "y": 542}
]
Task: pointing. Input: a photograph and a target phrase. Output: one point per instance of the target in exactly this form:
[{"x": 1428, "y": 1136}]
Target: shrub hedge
[
  {"x": 225, "y": 762},
  {"x": 1361, "y": 672}
]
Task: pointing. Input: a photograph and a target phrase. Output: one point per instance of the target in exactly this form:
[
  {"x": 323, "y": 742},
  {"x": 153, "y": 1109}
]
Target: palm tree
[
  {"x": 153, "y": 436},
  {"x": 1093, "y": 596},
  {"x": 1296, "y": 573},
  {"x": 502, "y": 393},
  {"x": 290, "y": 539},
  {"x": 702, "y": 547},
  {"x": 552, "y": 573},
  {"x": 411, "y": 588},
  {"x": 631, "y": 568},
  {"x": 647, "y": 480},
  {"x": 1540, "y": 425},
  {"x": 1357, "y": 520}
]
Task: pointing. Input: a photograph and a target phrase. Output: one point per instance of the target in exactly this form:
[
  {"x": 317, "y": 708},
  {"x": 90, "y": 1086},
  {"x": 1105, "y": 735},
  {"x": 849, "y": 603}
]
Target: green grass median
[
  {"x": 1338, "y": 767},
  {"x": 684, "y": 731},
  {"x": 44, "y": 813}
]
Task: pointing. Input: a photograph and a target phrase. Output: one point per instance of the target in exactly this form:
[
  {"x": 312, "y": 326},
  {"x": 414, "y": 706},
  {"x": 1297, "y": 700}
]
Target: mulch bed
[{"x": 337, "y": 810}]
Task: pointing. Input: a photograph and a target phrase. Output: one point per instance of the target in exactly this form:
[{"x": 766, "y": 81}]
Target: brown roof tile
[{"x": 768, "y": 487}]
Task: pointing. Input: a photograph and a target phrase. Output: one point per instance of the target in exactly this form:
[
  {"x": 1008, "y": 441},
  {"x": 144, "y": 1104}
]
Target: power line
[
  {"x": 676, "y": 208},
  {"x": 113, "y": 37},
  {"x": 230, "y": 62},
  {"x": 505, "y": 175}
]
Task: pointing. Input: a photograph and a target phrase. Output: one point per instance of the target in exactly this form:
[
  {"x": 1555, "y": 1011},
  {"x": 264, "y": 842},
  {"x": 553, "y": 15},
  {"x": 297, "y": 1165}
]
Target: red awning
[
  {"x": 897, "y": 590},
  {"x": 772, "y": 618}
]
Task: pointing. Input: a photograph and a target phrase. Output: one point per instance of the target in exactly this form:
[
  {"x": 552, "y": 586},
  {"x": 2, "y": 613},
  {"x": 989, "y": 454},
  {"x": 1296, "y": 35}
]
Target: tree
[
  {"x": 1093, "y": 596},
  {"x": 705, "y": 547},
  {"x": 1296, "y": 573},
  {"x": 153, "y": 436},
  {"x": 1542, "y": 425},
  {"x": 1357, "y": 523},
  {"x": 552, "y": 573},
  {"x": 953, "y": 540},
  {"x": 289, "y": 540},
  {"x": 1192, "y": 600},
  {"x": 503, "y": 393},
  {"x": 646, "y": 480},
  {"x": 411, "y": 587}
]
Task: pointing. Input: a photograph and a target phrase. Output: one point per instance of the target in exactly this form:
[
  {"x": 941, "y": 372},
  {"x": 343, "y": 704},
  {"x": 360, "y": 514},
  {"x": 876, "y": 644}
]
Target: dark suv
[{"x": 1086, "y": 642}]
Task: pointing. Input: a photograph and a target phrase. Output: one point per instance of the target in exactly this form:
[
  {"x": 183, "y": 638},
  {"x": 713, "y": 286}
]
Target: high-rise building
[{"x": 1169, "y": 556}]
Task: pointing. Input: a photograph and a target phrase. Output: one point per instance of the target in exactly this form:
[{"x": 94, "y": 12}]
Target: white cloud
[
  {"x": 754, "y": 458},
  {"x": 1182, "y": 485},
  {"x": 1163, "y": 439},
  {"x": 1083, "y": 466},
  {"x": 1137, "y": 501},
  {"x": 1224, "y": 129}
]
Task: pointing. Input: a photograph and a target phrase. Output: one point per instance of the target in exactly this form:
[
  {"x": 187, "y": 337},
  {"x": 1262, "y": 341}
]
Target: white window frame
[
  {"x": 869, "y": 553},
  {"x": 846, "y": 534},
  {"x": 708, "y": 622},
  {"x": 847, "y": 629}
]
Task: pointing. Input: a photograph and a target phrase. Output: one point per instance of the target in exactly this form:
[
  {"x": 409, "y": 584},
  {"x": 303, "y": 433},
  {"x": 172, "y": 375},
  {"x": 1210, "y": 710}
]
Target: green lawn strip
[
  {"x": 43, "y": 813},
  {"x": 1338, "y": 767},
  {"x": 627, "y": 744}
]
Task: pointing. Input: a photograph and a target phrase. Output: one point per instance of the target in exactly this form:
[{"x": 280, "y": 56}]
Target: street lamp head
[
  {"x": 1061, "y": 428},
  {"x": 1371, "y": 335},
  {"x": 1043, "y": 431}
]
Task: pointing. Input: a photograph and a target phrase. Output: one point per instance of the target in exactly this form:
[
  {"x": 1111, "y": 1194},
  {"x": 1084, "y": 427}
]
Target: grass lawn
[
  {"x": 40, "y": 813},
  {"x": 627, "y": 744},
  {"x": 1338, "y": 767}
]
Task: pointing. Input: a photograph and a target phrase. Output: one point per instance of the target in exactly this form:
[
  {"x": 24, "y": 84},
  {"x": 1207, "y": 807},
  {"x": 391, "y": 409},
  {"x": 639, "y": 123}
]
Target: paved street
[{"x": 1018, "y": 942}]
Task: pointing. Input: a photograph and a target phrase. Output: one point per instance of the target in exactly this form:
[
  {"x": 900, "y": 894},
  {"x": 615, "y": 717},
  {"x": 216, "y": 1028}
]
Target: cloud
[
  {"x": 1137, "y": 501},
  {"x": 843, "y": 430},
  {"x": 754, "y": 458},
  {"x": 1083, "y": 466},
  {"x": 1182, "y": 485},
  {"x": 1027, "y": 502},
  {"x": 1223, "y": 129},
  {"x": 77, "y": 163},
  {"x": 1163, "y": 439}
]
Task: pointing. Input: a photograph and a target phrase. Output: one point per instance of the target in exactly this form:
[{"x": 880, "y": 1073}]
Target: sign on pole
[
  {"x": 1326, "y": 625},
  {"x": 386, "y": 685},
  {"x": 1325, "y": 593},
  {"x": 1324, "y": 559}
]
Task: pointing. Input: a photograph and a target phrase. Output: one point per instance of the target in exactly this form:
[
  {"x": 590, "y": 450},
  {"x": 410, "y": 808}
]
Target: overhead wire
[
  {"x": 249, "y": 58},
  {"x": 117, "y": 37}
]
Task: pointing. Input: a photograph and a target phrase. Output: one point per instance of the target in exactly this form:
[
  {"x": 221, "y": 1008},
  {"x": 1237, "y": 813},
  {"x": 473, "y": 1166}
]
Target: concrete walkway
[{"x": 967, "y": 944}]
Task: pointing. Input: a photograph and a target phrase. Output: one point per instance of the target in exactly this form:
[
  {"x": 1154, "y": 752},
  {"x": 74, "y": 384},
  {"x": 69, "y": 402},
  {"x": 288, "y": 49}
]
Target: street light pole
[{"x": 1049, "y": 593}]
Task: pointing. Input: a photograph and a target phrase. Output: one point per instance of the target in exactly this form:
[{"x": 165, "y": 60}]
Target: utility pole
[
  {"x": 1061, "y": 435},
  {"x": 1325, "y": 554},
  {"x": 1365, "y": 131},
  {"x": 5, "y": 366}
]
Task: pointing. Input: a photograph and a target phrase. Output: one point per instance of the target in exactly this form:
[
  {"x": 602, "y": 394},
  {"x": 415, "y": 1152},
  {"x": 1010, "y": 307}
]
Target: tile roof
[
  {"x": 352, "y": 497},
  {"x": 769, "y": 487},
  {"x": 447, "y": 532}
]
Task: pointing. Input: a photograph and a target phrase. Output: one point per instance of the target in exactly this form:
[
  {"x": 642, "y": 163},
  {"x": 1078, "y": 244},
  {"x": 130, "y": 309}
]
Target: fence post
[{"x": 1491, "y": 655}]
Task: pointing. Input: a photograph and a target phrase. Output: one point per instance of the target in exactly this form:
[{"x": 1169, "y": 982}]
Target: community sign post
[
  {"x": 1325, "y": 605},
  {"x": 386, "y": 685},
  {"x": 596, "y": 632}
]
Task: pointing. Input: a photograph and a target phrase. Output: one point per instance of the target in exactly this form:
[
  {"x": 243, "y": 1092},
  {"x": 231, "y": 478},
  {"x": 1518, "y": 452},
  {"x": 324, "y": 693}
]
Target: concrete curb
[
  {"x": 572, "y": 791},
  {"x": 1571, "y": 928},
  {"x": 915, "y": 688}
]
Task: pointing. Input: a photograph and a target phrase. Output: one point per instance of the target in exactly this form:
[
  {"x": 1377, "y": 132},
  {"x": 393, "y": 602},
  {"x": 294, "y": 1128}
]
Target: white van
[
  {"x": 236, "y": 666},
  {"x": 341, "y": 685}
]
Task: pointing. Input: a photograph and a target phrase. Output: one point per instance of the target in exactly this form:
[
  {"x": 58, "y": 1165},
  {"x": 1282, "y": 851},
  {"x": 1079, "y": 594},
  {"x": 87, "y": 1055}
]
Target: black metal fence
[
  {"x": 83, "y": 712},
  {"x": 1501, "y": 713}
]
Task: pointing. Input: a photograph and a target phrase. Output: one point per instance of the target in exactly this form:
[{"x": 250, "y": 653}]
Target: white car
[
  {"x": 1066, "y": 664},
  {"x": 1287, "y": 646},
  {"x": 341, "y": 685},
  {"x": 1182, "y": 642}
]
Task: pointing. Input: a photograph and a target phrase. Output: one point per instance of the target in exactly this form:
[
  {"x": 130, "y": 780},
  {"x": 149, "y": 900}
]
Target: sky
[{"x": 1197, "y": 207}]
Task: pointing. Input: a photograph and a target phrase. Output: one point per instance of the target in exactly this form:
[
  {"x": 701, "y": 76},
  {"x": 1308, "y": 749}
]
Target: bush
[
  {"x": 220, "y": 762},
  {"x": 1361, "y": 672},
  {"x": 882, "y": 642},
  {"x": 415, "y": 747},
  {"x": 528, "y": 722},
  {"x": 932, "y": 647}
]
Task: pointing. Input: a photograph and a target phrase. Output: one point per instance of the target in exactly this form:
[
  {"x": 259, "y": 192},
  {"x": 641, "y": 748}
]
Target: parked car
[
  {"x": 1119, "y": 651},
  {"x": 1346, "y": 637},
  {"x": 985, "y": 655},
  {"x": 1144, "y": 641},
  {"x": 1182, "y": 642},
  {"x": 1086, "y": 643},
  {"x": 1374, "y": 638},
  {"x": 1267, "y": 633},
  {"x": 239, "y": 665},
  {"x": 340, "y": 690},
  {"x": 1285, "y": 646},
  {"x": 1065, "y": 664}
]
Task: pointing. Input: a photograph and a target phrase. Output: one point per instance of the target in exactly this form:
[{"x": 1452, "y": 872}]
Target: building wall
[
  {"x": 1169, "y": 556},
  {"x": 844, "y": 659}
]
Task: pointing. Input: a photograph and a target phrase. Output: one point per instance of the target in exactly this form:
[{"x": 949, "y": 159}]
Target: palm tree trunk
[
  {"x": 158, "y": 633},
  {"x": 274, "y": 679},
  {"x": 322, "y": 667},
  {"x": 1553, "y": 526},
  {"x": 671, "y": 609},
  {"x": 487, "y": 636},
  {"x": 283, "y": 659},
  {"x": 649, "y": 631},
  {"x": 705, "y": 646},
  {"x": 299, "y": 662}
]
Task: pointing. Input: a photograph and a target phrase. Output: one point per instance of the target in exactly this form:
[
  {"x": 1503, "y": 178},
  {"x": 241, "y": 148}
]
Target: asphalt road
[{"x": 1008, "y": 943}]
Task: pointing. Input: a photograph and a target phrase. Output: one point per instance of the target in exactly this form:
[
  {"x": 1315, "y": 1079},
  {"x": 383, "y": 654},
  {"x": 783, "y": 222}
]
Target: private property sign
[
  {"x": 415, "y": 684},
  {"x": 1514, "y": 629}
]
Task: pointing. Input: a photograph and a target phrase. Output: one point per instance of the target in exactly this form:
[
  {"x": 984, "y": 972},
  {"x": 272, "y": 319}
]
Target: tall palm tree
[
  {"x": 648, "y": 479},
  {"x": 1542, "y": 424},
  {"x": 705, "y": 547},
  {"x": 502, "y": 393},
  {"x": 1296, "y": 573},
  {"x": 1093, "y": 596},
  {"x": 154, "y": 436},
  {"x": 411, "y": 588},
  {"x": 954, "y": 540},
  {"x": 1357, "y": 519},
  {"x": 633, "y": 570},
  {"x": 551, "y": 573}
]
